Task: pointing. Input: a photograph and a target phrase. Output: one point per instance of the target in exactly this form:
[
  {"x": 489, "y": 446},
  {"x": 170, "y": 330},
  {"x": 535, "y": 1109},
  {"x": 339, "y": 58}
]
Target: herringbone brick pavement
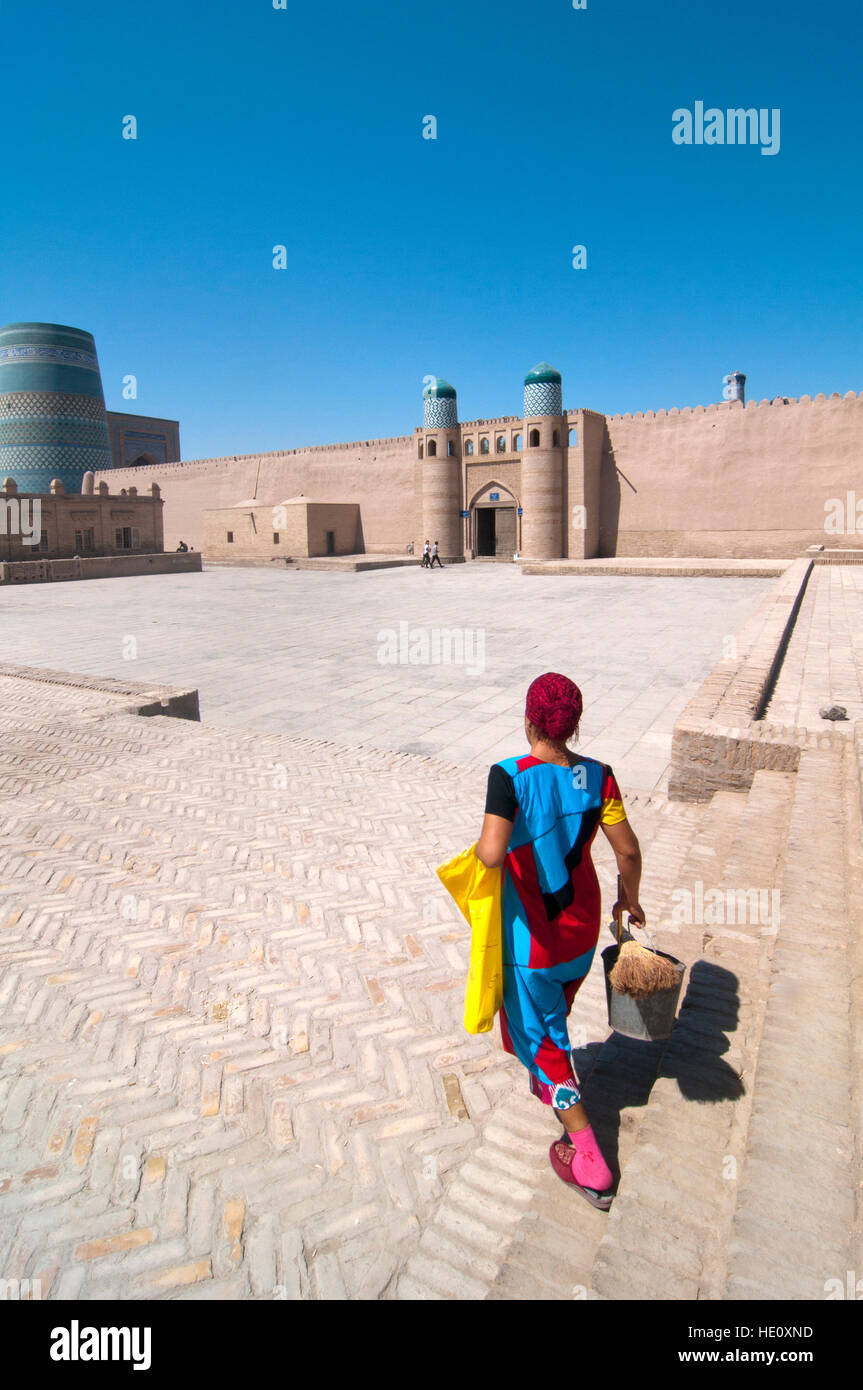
[
  {"x": 232, "y": 1063},
  {"x": 231, "y": 1054}
]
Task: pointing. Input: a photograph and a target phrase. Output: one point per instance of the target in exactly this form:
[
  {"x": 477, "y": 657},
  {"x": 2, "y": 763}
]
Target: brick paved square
[
  {"x": 300, "y": 652},
  {"x": 232, "y": 1056}
]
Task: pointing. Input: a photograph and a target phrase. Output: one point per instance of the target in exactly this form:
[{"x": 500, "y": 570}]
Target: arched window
[
  {"x": 534, "y": 439},
  {"x": 421, "y": 450},
  {"x": 555, "y": 439},
  {"x": 501, "y": 444},
  {"x": 516, "y": 443},
  {"x": 468, "y": 448},
  {"x": 450, "y": 448},
  {"x": 573, "y": 437},
  {"x": 432, "y": 448},
  {"x": 483, "y": 446}
]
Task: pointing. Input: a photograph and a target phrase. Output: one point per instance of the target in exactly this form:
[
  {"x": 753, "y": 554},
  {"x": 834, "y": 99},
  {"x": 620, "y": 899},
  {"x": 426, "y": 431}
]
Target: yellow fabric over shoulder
[{"x": 476, "y": 890}]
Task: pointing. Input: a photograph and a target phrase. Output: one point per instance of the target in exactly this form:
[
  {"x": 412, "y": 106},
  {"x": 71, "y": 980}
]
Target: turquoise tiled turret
[
  {"x": 440, "y": 405},
  {"x": 543, "y": 391}
]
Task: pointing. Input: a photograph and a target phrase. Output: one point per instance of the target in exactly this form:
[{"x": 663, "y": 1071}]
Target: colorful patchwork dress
[{"x": 550, "y": 904}]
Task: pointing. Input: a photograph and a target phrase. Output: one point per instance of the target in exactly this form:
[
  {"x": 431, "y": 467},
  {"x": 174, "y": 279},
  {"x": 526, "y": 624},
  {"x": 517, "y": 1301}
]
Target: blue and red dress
[{"x": 550, "y": 906}]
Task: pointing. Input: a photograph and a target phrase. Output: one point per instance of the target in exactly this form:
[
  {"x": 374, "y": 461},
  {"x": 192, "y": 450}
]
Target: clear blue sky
[{"x": 409, "y": 256}]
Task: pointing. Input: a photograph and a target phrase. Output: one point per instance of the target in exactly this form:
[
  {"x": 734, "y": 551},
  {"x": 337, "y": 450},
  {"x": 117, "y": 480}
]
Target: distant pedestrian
[
  {"x": 435, "y": 556},
  {"x": 426, "y": 560}
]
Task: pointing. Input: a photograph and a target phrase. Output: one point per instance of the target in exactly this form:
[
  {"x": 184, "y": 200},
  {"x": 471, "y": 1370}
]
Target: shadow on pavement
[
  {"x": 618, "y": 1075},
  {"x": 694, "y": 1056}
]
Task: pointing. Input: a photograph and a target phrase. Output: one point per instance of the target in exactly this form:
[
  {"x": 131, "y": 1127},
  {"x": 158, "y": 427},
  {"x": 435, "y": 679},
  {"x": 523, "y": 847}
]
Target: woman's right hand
[{"x": 636, "y": 914}]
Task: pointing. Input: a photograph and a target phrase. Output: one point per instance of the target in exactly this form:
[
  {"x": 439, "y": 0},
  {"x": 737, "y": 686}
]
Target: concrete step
[
  {"x": 796, "y": 1226},
  {"x": 666, "y": 1232}
]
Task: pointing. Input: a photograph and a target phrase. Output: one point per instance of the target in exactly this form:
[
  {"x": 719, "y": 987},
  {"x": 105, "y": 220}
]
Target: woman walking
[{"x": 542, "y": 813}]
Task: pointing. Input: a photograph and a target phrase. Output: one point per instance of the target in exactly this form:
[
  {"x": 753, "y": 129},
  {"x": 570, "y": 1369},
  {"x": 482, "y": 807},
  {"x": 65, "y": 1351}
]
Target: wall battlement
[
  {"x": 183, "y": 464},
  {"x": 488, "y": 422},
  {"x": 726, "y": 480},
  {"x": 776, "y": 402},
  {"x": 405, "y": 440}
]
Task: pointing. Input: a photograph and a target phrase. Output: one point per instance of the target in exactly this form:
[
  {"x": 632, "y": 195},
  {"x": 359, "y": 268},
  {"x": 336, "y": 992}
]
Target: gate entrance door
[
  {"x": 494, "y": 523},
  {"x": 504, "y": 532},
  {"x": 485, "y": 530}
]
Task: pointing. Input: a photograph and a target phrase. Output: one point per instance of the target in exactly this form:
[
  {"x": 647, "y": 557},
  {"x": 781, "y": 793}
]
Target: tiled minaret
[
  {"x": 441, "y": 470},
  {"x": 52, "y": 410},
  {"x": 542, "y": 465}
]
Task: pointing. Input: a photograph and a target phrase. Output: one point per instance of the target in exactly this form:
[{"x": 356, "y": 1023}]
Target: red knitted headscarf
[{"x": 554, "y": 706}]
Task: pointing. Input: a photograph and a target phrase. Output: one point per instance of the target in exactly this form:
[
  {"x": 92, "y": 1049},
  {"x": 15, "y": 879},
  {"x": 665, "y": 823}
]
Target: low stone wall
[
  {"x": 646, "y": 567},
  {"x": 98, "y": 567},
  {"x": 353, "y": 564},
  {"x": 143, "y": 698},
  {"x": 721, "y": 739},
  {"x": 349, "y": 563}
]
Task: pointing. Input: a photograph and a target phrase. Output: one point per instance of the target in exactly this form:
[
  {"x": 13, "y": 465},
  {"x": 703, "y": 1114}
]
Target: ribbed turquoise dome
[
  {"x": 439, "y": 390},
  {"x": 543, "y": 371}
]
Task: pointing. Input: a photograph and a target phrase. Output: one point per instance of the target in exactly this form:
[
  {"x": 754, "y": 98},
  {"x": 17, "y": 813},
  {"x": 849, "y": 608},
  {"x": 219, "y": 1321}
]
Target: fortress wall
[
  {"x": 379, "y": 474},
  {"x": 723, "y": 480},
  {"x": 729, "y": 480}
]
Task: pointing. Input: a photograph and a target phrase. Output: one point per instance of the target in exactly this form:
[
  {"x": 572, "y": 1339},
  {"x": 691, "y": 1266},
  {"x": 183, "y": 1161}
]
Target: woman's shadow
[{"x": 617, "y": 1076}]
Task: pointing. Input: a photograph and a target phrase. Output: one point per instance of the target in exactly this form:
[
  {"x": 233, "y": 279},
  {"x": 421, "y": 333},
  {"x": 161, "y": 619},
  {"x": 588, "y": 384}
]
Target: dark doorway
[
  {"x": 331, "y": 542},
  {"x": 485, "y": 530}
]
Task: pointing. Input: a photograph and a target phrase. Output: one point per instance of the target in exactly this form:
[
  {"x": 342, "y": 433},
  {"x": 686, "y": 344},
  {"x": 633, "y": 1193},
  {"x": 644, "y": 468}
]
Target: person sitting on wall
[{"x": 182, "y": 546}]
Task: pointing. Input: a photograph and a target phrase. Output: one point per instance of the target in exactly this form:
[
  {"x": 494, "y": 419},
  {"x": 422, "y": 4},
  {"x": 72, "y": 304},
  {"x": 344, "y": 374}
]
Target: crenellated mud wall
[
  {"x": 731, "y": 480},
  {"x": 766, "y": 479}
]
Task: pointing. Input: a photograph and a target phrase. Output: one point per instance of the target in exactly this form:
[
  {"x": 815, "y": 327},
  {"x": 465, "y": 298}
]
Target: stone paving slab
[
  {"x": 823, "y": 665},
  {"x": 299, "y": 653}
]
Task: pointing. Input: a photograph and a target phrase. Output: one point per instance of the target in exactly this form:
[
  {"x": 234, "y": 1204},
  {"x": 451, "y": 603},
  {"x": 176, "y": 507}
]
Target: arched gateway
[
  {"x": 466, "y": 504},
  {"x": 494, "y": 523}
]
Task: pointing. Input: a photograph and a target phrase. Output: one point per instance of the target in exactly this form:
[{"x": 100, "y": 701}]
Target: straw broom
[{"x": 638, "y": 971}]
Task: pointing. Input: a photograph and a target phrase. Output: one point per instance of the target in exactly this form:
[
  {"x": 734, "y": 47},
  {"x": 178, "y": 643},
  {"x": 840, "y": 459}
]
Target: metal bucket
[{"x": 650, "y": 1019}]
